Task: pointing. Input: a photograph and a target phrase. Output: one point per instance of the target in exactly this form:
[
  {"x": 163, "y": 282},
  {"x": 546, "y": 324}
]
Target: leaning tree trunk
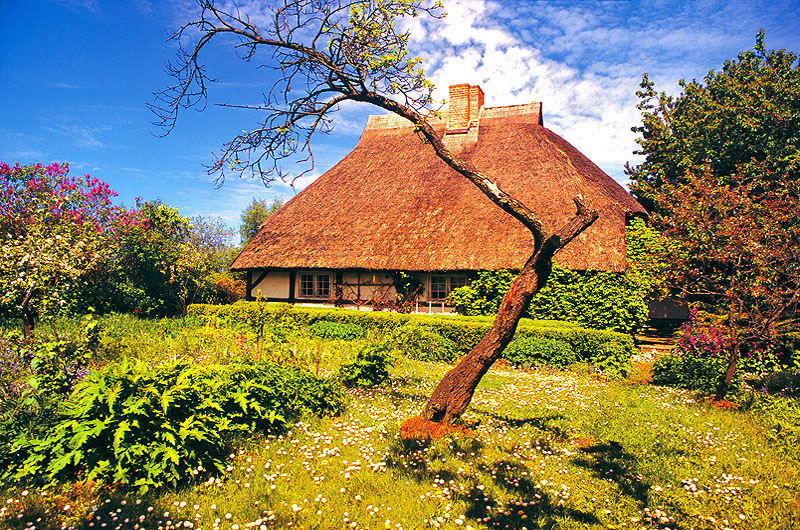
[
  {"x": 452, "y": 395},
  {"x": 454, "y": 392}
]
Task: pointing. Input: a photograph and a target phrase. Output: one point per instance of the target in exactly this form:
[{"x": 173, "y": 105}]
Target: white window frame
[
  {"x": 321, "y": 284},
  {"x": 449, "y": 284}
]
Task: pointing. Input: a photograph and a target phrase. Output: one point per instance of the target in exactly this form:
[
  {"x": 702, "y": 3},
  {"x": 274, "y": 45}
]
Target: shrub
[
  {"x": 530, "y": 352},
  {"x": 482, "y": 296},
  {"x": 700, "y": 359},
  {"x": 419, "y": 343},
  {"x": 326, "y": 329},
  {"x": 613, "y": 357},
  {"x": 148, "y": 427},
  {"x": 36, "y": 375},
  {"x": 221, "y": 288},
  {"x": 781, "y": 415},
  {"x": 370, "y": 368},
  {"x": 464, "y": 332}
]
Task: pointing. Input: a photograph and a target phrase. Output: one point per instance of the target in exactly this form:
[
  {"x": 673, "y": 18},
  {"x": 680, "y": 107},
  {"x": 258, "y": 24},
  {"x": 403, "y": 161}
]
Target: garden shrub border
[{"x": 464, "y": 332}]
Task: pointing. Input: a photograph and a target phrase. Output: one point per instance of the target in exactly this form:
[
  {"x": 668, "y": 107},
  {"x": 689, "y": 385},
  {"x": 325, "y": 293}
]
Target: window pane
[
  {"x": 457, "y": 281},
  {"x": 438, "y": 287},
  {"x": 306, "y": 285},
  {"x": 323, "y": 284}
]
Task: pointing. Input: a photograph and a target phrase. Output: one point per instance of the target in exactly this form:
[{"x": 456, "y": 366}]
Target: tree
[
  {"x": 55, "y": 229},
  {"x": 722, "y": 179},
  {"x": 204, "y": 251},
  {"x": 324, "y": 53},
  {"x": 254, "y": 216},
  {"x": 140, "y": 272}
]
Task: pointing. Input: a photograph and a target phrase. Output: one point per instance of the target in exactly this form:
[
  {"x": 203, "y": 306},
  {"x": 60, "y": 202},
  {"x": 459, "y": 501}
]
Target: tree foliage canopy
[
  {"x": 54, "y": 229},
  {"x": 742, "y": 124},
  {"x": 254, "y": 216},
  {"x": 722, "y": 179}
]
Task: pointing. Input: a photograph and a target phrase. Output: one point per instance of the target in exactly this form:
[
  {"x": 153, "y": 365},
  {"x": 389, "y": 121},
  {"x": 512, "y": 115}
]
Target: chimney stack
[{"x": 464, "y": 108}]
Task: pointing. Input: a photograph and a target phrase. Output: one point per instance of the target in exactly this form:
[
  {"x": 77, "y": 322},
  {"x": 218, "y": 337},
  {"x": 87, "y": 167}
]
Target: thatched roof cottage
[{"x": 392, "y": 205}]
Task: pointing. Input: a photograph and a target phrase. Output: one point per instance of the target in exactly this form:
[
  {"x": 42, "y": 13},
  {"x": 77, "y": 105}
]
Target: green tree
[
  {"x": 142, "y": 270},
  {"x": 327, "y": 53},
  {"x": 721, "y": 176},
  {"x": 254, "y": 216}
]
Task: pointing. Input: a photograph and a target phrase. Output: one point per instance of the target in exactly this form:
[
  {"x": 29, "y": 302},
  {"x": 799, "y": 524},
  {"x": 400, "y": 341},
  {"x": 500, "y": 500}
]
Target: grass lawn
[{"x": 550, "y": 450}]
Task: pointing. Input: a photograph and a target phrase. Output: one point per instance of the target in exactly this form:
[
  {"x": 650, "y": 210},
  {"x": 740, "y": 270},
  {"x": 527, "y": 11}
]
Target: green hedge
[{"x": 464, "y": 332}]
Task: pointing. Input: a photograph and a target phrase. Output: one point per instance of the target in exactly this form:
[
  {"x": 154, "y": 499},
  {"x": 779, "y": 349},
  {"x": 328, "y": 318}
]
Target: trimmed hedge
[
  {"x": 325, "y": 329},
  {"x": 416, "y": 342},
  {"x": 532, "y": 352},
  {"x": 464, "y": 332}
]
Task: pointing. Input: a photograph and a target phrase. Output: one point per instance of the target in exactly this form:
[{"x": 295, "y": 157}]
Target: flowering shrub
[
  {"x": 700, "y": 359},
  {"x": 55, "y": 229},
  {"x": 760, "y": 358}
]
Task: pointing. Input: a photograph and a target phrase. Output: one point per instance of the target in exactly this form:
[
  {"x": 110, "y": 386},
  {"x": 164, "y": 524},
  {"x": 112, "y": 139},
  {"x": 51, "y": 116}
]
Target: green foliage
[
  {"x": 594, "y": 299},
  {"x": 36, "y": 375},
  {"x": 700, "y": 359},
  {"x": 421, "y": 343},
  {"x": 482, "y": 296},
  {"x": 746, "y": 115},
  {"x": 254, "y": 216},
  {"x": 326, "y": 329},
  {"x": 408, "y": 288},
  {"x": 780, "y": 414},
  {"x": 370, "y": 367},
  {"x": 720, "y": 176},
  {"x": 531, "y": 352},
  {"x": 463, "y": 332},
  {"x": 149, "y": 427},
  {"x": 613, "y": 357}
]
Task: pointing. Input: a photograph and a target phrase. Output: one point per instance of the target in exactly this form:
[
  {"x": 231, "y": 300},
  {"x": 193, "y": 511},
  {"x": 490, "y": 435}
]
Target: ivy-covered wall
[{"x": 594, "y": 299}]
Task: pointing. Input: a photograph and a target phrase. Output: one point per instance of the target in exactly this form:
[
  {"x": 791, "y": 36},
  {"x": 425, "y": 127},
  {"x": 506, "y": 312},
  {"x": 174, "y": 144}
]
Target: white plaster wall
[{"x": 274, "y": 285}]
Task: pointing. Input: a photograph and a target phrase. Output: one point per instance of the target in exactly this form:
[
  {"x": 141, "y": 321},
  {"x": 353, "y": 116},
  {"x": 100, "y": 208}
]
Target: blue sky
[{"x": 75, "y": 76}]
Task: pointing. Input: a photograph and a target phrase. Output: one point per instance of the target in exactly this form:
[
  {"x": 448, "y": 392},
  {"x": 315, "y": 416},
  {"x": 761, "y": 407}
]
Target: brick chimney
[
  {"x": 464, "y": 108},
  {"x": 463, "y": 117}
]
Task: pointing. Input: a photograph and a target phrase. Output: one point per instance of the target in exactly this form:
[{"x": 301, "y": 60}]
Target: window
[
  {"x": 457, "y": 281},
  {"x": 315, "y": 285},
  {"x": 438, "y": 287},
  {"x": 441, "y": 286}
]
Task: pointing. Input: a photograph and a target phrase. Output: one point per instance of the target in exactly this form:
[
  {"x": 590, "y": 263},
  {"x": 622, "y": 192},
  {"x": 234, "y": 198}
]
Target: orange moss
[
  {"x": 721, "y": 404},
  {"x": 416, "y": 428},
  {"x": 582, "y": 442}
]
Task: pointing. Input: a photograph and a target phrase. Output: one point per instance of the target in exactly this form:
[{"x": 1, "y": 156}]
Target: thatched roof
[{"x": 392, "y": 204}]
